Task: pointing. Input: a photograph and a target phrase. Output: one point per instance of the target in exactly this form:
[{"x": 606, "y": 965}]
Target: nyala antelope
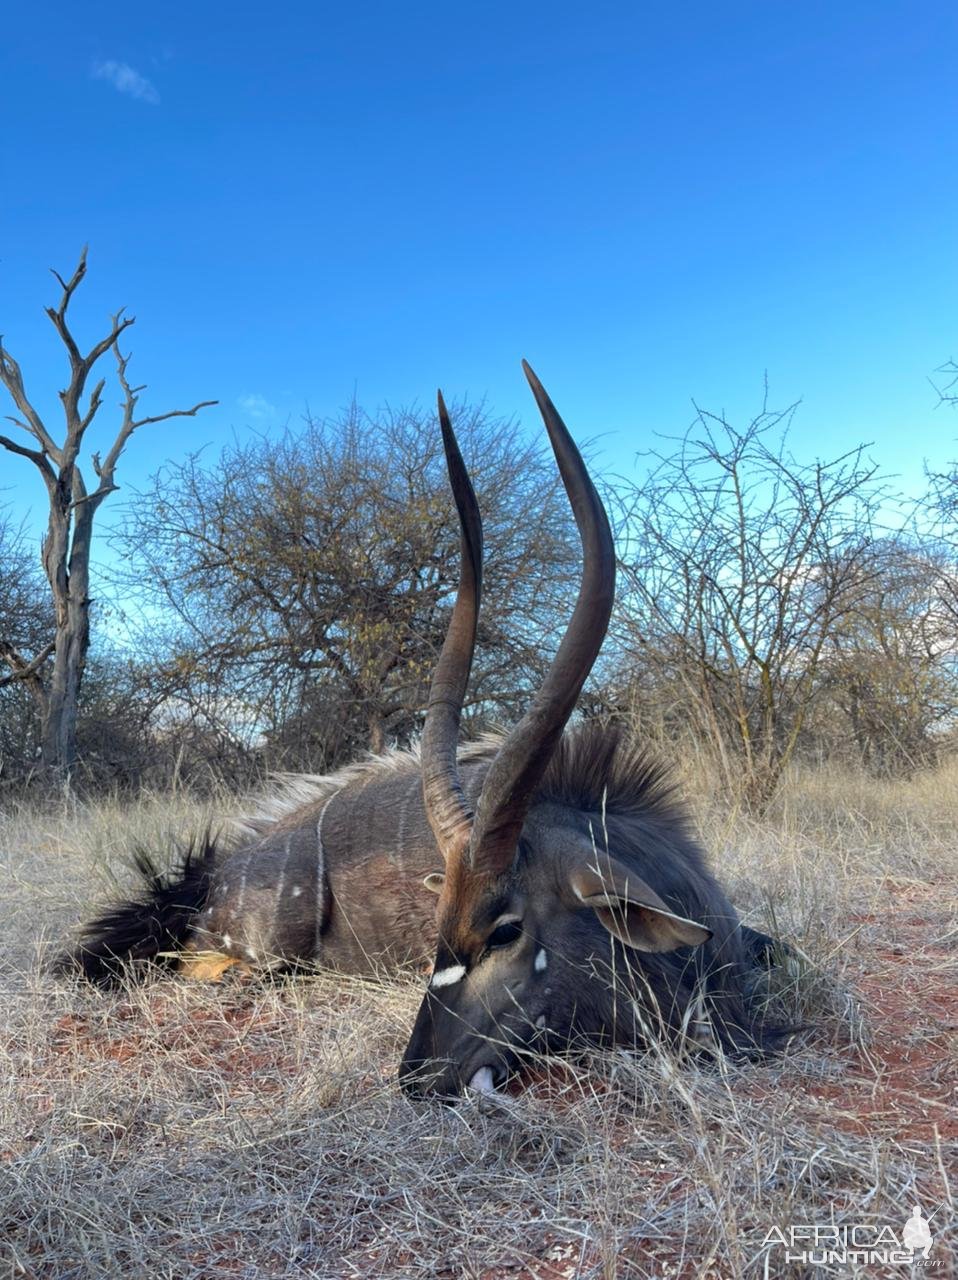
[{"x": 550, "y": 874}]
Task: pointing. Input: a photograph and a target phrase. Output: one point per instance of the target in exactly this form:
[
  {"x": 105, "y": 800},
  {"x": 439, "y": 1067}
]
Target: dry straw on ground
[{"x": 247, "y": 1130}]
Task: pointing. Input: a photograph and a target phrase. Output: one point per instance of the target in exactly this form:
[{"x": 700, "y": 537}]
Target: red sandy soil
[
  {"x": 902, "y": 1088},
  {"x": 906, "y": 1089}
]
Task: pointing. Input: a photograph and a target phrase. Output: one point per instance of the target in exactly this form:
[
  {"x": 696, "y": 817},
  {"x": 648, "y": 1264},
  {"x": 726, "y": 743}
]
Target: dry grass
[{"x": 249, "y": 1130}]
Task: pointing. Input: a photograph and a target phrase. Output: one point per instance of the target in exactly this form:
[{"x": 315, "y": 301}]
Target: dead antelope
[{"x": 573, "y": 902}]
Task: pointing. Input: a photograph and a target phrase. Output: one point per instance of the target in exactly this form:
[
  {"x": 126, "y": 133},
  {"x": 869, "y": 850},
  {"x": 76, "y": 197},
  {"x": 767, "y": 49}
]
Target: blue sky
[{"x": 651, "y": 203}]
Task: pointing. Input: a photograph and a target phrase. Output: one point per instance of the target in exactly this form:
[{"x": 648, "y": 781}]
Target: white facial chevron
[{"x": 447, "y": 977}]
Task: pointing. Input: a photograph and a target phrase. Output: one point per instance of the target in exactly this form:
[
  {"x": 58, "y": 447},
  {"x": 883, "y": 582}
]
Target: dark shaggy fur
[
  {"x": 628, "y": 798},
  {"x": 148, "y": 927},
  {"x": 597, "y": 767}
]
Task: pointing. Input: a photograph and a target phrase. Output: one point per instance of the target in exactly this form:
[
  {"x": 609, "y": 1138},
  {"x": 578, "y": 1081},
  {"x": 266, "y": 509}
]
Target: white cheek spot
[
  {"x": 448, "y": 977},
  {"x": 209, "y": 911},
  {"x": 541, "y": 960},
  {"x": 227, "y": 941},
  {"x": 250, "y": 954},
  {"x": 296, "y": 890},
  {"x": 541, "y": 1021}
]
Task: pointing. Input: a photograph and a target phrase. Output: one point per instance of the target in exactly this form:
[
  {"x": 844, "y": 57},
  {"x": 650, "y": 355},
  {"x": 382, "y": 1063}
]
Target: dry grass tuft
[{"x": 255, "y": 1130}]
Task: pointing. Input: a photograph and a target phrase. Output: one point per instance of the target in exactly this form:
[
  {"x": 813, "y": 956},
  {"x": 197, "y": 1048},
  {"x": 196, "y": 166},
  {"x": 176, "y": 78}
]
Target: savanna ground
[{"x": 247, "y": 1130}]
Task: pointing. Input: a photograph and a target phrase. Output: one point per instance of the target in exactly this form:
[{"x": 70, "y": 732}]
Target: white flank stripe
[
  {"x": 242, "y": 890},
  {"x": 320, "y": 879},
  {"x": 411, "y": 793},
  {"x": 278, "y": 891},
  {"x": 448, "y": 977}
]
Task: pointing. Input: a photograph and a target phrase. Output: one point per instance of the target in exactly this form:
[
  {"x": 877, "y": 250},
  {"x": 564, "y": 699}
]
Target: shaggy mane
[{"x": 596, "y": 766}]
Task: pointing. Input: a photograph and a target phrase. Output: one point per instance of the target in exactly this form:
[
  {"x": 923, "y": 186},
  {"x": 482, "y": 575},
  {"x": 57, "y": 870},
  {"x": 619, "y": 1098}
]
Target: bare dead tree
[{"x": 72, "y": 508}]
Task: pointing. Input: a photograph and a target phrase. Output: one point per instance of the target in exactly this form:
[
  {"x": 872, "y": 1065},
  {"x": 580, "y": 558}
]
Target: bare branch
[
  {"x": 104, "y": 345},
  {"x": 97, "y": 495},
  {"x": 80, "y": 365},
  {"x": 76, "y": 426},
  {"x": 947, "y": 388},
  {"x": 59, "y": 316},
  {"x": 105, "y": 469},
  {"x": 21, "y": 668},
  {"x": 95, "y": 402},
  {"x": 12, "y": 379},
  {"x": 175, "y": 413},
  {"x": 36, "y": 456}
]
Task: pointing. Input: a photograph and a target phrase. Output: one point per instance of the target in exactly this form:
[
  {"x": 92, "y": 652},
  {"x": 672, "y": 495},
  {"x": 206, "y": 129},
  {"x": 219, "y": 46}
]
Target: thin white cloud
[
  {"x": 256, "y": 406},
  {"x": 125, "y": 79}
]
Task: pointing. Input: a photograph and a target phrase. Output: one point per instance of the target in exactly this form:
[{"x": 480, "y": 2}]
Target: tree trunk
[
  {"x": 59, "y": 743},
  {"x": 377, "y": 733},
  {"x": 70, "y": 582}
]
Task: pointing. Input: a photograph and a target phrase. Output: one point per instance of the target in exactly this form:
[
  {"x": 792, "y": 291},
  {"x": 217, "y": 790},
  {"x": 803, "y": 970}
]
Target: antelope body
[{"x": 572, "y": 900}]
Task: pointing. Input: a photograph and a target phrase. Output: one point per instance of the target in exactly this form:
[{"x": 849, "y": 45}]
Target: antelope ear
[
  {"x": 630, "y": 909},
  {"x": 434, "y": 881}
]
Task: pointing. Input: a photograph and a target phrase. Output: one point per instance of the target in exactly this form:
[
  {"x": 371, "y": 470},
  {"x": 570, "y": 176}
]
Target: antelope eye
[{"x": 504, "y": 935}]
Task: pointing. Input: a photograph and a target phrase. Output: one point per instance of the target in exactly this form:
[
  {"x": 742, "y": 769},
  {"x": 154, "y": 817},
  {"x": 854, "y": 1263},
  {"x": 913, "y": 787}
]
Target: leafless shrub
[
  {"x": 740, "y": 564},
  {"x": 889, "y": 667}
]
